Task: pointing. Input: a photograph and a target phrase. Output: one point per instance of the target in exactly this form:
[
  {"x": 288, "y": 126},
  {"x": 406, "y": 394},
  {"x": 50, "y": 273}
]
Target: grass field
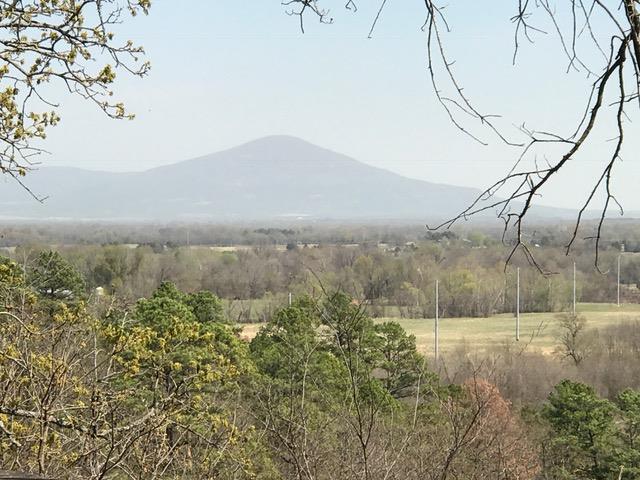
[{"x": 480, "y": 334}]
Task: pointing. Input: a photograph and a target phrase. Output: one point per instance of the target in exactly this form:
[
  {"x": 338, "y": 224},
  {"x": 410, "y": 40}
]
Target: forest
[
  {"x": 128, "y": 362},
  {"x": 390, "y": 269}
]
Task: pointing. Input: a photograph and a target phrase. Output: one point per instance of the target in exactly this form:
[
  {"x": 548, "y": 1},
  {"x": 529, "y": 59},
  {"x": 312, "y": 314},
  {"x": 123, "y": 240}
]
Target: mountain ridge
[{"x": 272, "y": 177}]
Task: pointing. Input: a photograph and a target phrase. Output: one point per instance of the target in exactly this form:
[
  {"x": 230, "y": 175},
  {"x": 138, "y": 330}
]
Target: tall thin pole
[
  {"x": 436, "y": 328},
  {"x": 518, "y": 304},
  {"x": 290, "y": 299},
  {"x": 574, "y": 288},
  {"x": 618, "y": 280}
]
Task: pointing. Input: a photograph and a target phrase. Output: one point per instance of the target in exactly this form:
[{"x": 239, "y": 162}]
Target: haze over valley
[{"x": 272, "y": 178}]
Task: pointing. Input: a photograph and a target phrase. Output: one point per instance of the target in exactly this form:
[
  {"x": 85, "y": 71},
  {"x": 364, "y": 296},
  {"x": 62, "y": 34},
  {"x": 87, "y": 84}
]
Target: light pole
[
  {"x": 619, "y": 280},
  {"x": 518, "y": 304},
  {"x": 574, "y": 288},
  {"x": 436, "y": 328}
]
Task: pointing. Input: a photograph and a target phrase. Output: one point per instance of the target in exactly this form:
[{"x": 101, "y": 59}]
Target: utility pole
[
  {"x": 618, "y": 280},
  {"x": 574, "y": 288},
  {"x": 436, "y": 328},
  {"x": 518, "y": 304}
]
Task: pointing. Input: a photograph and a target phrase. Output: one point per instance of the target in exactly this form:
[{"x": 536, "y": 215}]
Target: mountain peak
[
  {"x": 278, "y": 142},
  {"x": 278, "y": 139},
  {"x": 267, "y": 178}
]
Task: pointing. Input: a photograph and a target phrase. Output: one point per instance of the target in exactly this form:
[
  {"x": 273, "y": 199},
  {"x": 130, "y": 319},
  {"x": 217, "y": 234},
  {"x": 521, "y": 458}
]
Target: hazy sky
[{"x": 228, "y": 71}]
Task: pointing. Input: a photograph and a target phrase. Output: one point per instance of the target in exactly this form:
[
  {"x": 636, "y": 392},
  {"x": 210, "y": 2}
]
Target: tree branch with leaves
[
  {"x": 67, "y": 43},
  {"x": 611, "y": 30}
]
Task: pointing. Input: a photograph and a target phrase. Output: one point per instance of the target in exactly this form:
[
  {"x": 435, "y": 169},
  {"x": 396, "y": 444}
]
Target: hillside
[{"x": 275, "y": 177}]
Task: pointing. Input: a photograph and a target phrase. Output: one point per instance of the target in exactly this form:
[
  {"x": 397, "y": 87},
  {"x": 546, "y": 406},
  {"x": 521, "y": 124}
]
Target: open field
[{"x": 480, "y": 334}]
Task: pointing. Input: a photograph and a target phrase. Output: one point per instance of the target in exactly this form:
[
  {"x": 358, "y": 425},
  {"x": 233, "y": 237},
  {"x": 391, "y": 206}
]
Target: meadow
[{"x": 538, "y": 331}]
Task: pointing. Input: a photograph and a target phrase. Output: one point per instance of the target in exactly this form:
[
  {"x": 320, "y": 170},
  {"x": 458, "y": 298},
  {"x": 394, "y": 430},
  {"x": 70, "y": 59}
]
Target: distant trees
[{"x": 392, "y": 282}]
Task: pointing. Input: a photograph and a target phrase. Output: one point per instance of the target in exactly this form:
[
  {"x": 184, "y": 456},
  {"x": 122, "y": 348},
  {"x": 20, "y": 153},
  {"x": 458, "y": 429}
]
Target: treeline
[
  {"x": 483, "y": 232},
  {"x": 391, "y": 281},
  {"x": 177, "y": 234},
  {"x": 165, "y": 388}
]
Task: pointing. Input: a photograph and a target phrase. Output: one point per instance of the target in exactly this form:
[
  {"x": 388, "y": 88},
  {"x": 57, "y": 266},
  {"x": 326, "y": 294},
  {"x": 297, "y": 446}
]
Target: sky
[{"x": 227, "y": 71}]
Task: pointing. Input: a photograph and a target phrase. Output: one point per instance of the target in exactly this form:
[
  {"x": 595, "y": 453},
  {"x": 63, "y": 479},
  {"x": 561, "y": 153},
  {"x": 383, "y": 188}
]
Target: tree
[
  {"x": 483, "y": 439},
  {"x": 69, "y": 43},
  {"x": 612, "y": 31},
  {"x": 628, "y": 402},
  {"x": 13, "y": 286},
  {"x": 584, "y": 430},
  {"x": 355, "y": 343},
  {"x": 54, "y": 277},
  {"x": 206, "y": 307},
  {"x": 134, "y": 394},
  {"x": 574, "y": 343},
  {"x": 203, "y": 305},
  {"x": 400, "y": 360},
  {"x": 182, "y": 374},
  {"x": 300, "y": 390}
]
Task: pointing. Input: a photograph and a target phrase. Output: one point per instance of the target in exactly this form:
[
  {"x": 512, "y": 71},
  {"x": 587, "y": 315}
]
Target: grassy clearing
[
  {"x": 540, "y": 329},
  {"x": 480, "y": 334},
  {"x": 250, "y": 330}
]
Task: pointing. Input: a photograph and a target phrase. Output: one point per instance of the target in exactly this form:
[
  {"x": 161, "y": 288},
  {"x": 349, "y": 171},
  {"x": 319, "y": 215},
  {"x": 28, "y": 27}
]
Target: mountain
[{"x": 275, "y": 177}]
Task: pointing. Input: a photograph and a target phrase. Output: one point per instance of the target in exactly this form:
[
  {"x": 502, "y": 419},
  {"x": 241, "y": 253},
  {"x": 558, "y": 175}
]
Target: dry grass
[{"x": 541, "y": 330}]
